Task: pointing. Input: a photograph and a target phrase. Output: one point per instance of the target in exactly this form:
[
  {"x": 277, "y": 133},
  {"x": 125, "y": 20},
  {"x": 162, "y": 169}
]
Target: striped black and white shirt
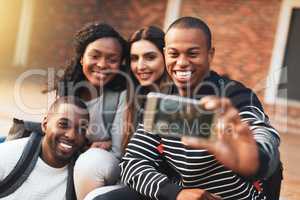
[{"x": 159, "y": 167}]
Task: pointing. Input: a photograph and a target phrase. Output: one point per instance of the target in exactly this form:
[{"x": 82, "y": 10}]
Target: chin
[
  {"x": 63, "y": 156},
  {"x": 145, "y": 83}
]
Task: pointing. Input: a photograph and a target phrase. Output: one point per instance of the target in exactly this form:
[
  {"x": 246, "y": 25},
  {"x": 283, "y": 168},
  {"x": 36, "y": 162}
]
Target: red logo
[{"x": 160, "y": 148}]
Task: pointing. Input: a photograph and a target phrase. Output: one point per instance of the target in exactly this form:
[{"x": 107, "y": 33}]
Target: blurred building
[{"x": 257, "y": 42}]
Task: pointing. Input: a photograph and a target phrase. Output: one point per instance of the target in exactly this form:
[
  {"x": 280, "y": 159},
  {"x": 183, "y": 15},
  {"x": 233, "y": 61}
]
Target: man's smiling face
[
  {"x": 187, "y": 57},
  {"x": 65, "y": 131}
]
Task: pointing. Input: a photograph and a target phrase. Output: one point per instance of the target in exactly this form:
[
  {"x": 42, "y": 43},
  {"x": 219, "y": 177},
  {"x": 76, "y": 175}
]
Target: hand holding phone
[{"x": 177, "y": 116}]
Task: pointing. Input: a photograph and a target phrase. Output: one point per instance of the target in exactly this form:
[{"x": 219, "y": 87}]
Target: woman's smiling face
[
  {"x": 146, "y": 62},
  {"x": 101, "y": 60}
]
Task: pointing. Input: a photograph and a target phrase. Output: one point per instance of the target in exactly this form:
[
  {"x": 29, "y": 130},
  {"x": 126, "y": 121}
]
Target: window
[
  {"x": 292, "y": 60},
  {"x": 9, "y": 20},
  {"x": 283, "y": 79}
]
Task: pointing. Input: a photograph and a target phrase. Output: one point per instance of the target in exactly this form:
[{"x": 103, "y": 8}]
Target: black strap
[
  {"x": 110, "y": 106},
  {"x": 70, "y": 192},
  {"x": 272, "y": 185},
  {"x": 23, "y": 167}
]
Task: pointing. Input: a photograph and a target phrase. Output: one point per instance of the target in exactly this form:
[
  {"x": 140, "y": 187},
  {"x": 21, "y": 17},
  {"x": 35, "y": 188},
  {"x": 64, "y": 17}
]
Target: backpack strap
[
  {"x": 110, "y": 106},
  {"x": 23, "y": 167},
  {"x": 272, "y": 185},
  {"x": 21, "y": 128},
  {"x": 70, "y": 192}
]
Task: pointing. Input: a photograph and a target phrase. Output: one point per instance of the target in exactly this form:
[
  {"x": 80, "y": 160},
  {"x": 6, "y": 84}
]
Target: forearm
[
  {"x": 267, "y": 140},
  {"x": 269, "y": 158}
]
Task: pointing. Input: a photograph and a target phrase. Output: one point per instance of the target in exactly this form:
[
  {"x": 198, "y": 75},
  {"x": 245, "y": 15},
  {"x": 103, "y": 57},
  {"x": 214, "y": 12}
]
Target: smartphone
[{"x": 177, "y": 116}]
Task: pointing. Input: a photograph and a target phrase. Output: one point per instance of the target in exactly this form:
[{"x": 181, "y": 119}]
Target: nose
[
  {"x": 182, "y": 61},
  {"x": 101, "y": 62},
  {"x": 71, "y": 134},
  {"x": 141, "y": 64}
]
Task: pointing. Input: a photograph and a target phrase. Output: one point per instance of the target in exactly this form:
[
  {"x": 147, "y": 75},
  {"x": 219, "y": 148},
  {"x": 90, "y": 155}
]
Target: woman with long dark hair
[{"x": 147, "y": 73}]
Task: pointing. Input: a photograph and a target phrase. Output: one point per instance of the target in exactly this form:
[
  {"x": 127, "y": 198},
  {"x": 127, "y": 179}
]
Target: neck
[
  {"x": 186, "y": 92},
  {"x": 90, "y": 93},
  {"x": 50, "y": 159},
  {"x": 190, "y": 91}
]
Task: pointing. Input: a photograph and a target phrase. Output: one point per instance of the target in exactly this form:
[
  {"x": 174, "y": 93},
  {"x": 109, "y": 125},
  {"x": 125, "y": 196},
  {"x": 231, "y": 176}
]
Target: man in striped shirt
[{"x": 166, "y": 168}]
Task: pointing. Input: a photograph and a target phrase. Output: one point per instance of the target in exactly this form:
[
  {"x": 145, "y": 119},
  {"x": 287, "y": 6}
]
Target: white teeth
[
  {"x": 99, "y": 74},
  {"x": 145, "y": 75},
  {"x": 184, "y": 74},
  {"x": 66, "y": 145}
]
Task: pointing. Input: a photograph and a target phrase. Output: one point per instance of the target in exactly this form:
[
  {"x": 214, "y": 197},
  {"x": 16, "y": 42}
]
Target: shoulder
[
  {"x": 122, "y": 97},
  {"x": 123, "y": 94},
  {"x": 12, "y": 146},
  {"x": 10, "y": 153},
  {"x": 237, "y": 92}
]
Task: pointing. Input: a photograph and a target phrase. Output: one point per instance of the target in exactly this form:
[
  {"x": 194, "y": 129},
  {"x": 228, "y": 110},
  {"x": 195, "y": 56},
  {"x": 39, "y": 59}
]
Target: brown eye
[
  {"x": 113, "y": 60},
  {"x": 63, "y": 124},
  {"x": 133, "y": 58},
  {"x": 150, "y": 56},
  {"x": 193, "y": 55},
  {"x": 173, "y": 54},
  {"x": 82, "y": 131},
  {"x": 93, "y": 56}
]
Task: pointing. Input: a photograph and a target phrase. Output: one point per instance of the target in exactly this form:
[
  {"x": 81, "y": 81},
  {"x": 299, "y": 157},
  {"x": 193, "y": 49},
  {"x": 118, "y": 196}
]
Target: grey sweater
[{"x": 97, "y": 131}]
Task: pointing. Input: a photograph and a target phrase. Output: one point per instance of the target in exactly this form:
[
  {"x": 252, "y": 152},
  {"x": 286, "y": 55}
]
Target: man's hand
[
  {"x": 196, "y": 194},
  {"x": 235, "y": 146},
  {"x": 102, "y": 144}
]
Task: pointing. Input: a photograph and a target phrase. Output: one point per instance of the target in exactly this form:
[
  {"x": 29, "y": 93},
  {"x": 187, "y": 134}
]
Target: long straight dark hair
[{"x": 154, "y": 35}]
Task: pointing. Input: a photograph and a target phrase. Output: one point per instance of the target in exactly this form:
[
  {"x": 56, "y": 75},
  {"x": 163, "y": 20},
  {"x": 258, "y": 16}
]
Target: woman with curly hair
[{"x": 95, "y": 69}]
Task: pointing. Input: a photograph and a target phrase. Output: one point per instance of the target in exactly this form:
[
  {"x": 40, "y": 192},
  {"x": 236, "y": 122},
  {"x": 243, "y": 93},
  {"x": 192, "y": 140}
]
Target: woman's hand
[
  {"x": 235, "y": 146},
  {"x": 102, "y": 144},
  {"x": 196, "y": 194}
]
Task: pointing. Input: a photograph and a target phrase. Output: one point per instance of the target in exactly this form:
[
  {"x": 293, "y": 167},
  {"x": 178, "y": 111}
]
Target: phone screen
[{"x": 177, "y": 116}]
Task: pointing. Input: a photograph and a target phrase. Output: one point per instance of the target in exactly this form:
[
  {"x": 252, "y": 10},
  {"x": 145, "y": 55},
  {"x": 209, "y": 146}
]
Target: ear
[
  {"x": 81, "y": 60},
  {"x": 44, "y": 124},
  {"x": 211, "y": 54}
]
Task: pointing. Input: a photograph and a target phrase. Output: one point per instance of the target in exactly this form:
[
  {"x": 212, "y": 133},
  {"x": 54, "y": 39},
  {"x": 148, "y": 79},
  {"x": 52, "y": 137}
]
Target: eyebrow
[
  {"x": 148, "y": 52},
  {"x": 63, "y": 119},
  {"x": 101, "y": 52},
  {"x": 194, "y": 48},
  {"x": 189, "y": 49}
]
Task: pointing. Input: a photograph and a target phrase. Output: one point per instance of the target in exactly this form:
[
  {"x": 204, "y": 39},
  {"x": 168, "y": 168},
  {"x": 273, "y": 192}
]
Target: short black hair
[
  {"x": 193, "y": 22},
  {"x": 69, "y": 100}
]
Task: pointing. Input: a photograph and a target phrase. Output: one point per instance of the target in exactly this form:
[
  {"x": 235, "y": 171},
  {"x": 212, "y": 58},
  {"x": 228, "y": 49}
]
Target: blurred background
[{"x": 257, "y": 43}]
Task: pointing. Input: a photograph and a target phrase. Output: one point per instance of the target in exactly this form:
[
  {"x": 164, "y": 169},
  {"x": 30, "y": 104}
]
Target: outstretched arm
[{"x": 246, "y": 143}]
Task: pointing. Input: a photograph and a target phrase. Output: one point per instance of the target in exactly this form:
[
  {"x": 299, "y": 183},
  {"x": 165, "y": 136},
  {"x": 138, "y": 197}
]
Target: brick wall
[
  {"x": 243, "y": 35},
  {"x": 55, "y": 22}
]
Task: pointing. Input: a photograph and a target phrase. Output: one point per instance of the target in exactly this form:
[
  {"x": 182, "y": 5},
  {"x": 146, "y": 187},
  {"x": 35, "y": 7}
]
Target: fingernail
[
  {"x": 185, "y": 140},
  {"x": 210, "y": 105}
]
